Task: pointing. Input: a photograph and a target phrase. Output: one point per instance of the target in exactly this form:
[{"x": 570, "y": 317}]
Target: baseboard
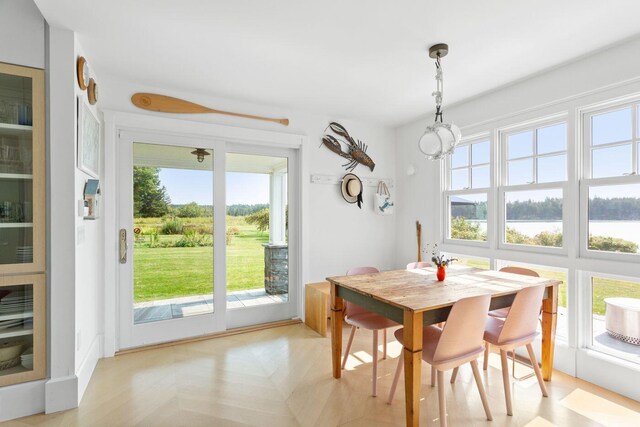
[
  {"x": 21, "y": 400},
  {"x": 88, "y": 365},
  {"x": 61, "y": 394},
  {"x": 226, "y": 333}
]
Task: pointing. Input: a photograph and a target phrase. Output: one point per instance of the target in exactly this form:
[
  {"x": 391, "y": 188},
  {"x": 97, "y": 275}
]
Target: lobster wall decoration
[{"x": 356, "y": 151}]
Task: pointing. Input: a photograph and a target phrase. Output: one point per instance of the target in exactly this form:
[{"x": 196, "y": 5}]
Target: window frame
[
  {"x": 447, "y": 192},
  {"x": 504, "y": 187},
  {"x": 585, "y": 176}
]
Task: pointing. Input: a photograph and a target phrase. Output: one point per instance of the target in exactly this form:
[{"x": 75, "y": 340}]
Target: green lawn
[
  {"x": 161, "y": 273},
  {"x": 602, "y": 288}
]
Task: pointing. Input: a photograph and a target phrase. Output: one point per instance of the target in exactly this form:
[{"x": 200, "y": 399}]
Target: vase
[{"x": 441, "y": 274}]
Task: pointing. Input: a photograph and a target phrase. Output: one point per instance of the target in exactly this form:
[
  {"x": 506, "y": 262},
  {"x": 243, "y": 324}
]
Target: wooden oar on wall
[{"x": 169, "y": 104}]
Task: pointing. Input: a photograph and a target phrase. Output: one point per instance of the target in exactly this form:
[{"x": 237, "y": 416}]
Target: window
[
  {"x": 613, "y": 301},
  {"x": 469, "y": 177},
  {"x": 470, "y": 166},
  {"x": 537, "y": 155},
  {"x": 610, "y": 186},
  {"x": 534, "y": 217},
  {"x": 613, "y": 150},
  {"x": 471, "y": 261},
  {"x": 534, "y": 175},
  {"x": 468, "y": 217}
]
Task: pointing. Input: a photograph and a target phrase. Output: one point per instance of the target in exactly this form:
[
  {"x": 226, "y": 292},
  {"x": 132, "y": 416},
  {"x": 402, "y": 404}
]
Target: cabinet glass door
[
  {"x": 21, "y": 329},
  {"x": 20, "y": 193}
]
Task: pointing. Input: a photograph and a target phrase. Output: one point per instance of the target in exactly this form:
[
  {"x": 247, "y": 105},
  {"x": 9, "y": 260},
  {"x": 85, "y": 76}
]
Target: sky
[{"x": 186, "y": 186}]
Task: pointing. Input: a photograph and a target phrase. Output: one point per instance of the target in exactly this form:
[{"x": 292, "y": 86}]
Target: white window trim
[{"x": 584, "y": 116}]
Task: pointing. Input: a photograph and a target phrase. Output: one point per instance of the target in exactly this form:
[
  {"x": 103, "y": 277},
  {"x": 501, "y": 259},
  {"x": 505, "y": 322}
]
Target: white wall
[
  {"x": 89, "y": 267},
  {"x": 602, "y": 76},
  {"x": 21, "y": 33},
  {"x": 340, "y": 235}
]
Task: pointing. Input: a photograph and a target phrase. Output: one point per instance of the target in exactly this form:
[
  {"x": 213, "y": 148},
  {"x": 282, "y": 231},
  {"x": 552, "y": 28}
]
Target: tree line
[
  {"x": 550, "y": 209},
  {"x": 150, "y": 199}
]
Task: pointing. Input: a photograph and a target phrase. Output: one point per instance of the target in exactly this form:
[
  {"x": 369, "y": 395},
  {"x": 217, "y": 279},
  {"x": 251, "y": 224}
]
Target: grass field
[
  {"x": 161, "y": 273},
  {"x": 601, "y": 289}
]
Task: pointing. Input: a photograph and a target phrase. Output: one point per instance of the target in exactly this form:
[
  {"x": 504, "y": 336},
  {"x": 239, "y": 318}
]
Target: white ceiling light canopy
[{"x": 439, "y": 139}]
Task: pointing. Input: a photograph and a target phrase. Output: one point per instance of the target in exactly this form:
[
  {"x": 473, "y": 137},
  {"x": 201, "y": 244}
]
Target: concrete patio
[{"x": 175, "y": 308}]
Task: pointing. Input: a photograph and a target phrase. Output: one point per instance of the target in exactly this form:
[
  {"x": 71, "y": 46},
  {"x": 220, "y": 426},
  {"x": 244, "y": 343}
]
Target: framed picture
[{"x": 88, "y": 140}]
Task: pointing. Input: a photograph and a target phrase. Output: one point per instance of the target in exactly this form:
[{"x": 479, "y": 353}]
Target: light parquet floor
[{"x": 282, "y": 377}]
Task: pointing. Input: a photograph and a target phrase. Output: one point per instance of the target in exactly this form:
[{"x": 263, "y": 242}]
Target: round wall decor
[{"x": 82, "y": 72}]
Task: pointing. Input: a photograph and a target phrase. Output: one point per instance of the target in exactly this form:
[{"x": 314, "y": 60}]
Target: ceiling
[{"x": 360, "y": 59}]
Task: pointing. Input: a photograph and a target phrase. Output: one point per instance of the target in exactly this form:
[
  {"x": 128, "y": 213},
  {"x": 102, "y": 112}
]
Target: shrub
[
  {"x": 172, "y": 226},
  {"x": 191, "y": 239},
  {"x": 612, "y": 244},
  {"x": 234, "y": 231},
  {"x": 514, "y": 236},
  {"x": 463, "y": 229},
  {"x": 190, "y": 210},
  {"x": 260, "y": 219},
  {"x": 548, "y": 238}
]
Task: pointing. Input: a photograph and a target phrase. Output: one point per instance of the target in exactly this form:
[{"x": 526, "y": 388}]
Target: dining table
[{"x": 415, "y": 298}]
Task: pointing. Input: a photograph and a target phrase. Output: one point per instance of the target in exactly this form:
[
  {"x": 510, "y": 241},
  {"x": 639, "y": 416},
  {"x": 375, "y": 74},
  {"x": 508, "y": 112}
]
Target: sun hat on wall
[{"x": 352, "y": 189}]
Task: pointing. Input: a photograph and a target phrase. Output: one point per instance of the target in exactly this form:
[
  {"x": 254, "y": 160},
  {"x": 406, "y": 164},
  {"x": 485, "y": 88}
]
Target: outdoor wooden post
[
  {"x": 412, "y": 365},
  {"x": 337, "y": 309},
  {"x": 549, "y": 320}
]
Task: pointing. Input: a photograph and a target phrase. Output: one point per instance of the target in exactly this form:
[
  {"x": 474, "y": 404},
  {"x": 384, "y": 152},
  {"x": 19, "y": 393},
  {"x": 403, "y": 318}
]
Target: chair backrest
[
  {"x": 415, "y": 265},
  {"x": 520, "y": 270},
  {"x": 464, "y": 330},
  {"x": 354, "y": 309},
  {"x": 522, "y": 319}
]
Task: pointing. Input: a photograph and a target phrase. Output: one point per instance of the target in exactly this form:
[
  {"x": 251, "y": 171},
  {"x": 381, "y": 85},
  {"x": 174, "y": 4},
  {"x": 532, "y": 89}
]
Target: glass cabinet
[
  {"x": 22, "y": 329},
  {"x": 22, "y": 225},
  {"x": 22, "y": 209}
]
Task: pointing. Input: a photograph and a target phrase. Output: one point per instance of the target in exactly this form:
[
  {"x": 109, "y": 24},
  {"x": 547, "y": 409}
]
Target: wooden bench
[{"x": 316, "y": 301}]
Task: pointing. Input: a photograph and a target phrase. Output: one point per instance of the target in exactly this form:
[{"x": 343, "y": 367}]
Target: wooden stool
[{"x": 316, "y": 301}]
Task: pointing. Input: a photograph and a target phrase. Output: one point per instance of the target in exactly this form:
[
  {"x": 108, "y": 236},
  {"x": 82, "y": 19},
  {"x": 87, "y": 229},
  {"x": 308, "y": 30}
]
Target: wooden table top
[{"x": 419, "y": 290}]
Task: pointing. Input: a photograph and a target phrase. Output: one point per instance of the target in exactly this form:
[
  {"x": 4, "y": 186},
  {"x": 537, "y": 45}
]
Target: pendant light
[
  {"x": 439, "y": 139},
  {"x": 200, "y": 153}
]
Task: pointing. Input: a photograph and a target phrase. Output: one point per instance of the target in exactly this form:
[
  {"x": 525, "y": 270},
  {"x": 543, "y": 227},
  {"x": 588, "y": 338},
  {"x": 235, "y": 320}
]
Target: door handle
[{"x": 123, "y": 246}]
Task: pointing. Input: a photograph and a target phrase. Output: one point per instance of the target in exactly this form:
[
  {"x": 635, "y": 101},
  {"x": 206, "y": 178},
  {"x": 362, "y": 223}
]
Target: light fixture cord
[{"x": 439, "y": 89}]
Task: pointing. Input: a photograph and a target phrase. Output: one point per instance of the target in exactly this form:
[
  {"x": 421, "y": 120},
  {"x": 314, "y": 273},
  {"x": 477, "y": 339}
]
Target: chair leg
[
  {"x": 433, "y": 376},
  {"x": 513, "y": 368},
  {"x": 374, "y": 353},
  {"x": 536, "y": 369},
  {"x": 396, "y": 378},
  {"x": 454, "y": 375},
  {"x": 483, "y": 394},
  {"x": 485, "y": 362},
  {"x": 505, "y": 380},
  {"x": 442, "y": 402},
  {"x": 384, "y": 344},
  {"x": 346, "y": 350}
]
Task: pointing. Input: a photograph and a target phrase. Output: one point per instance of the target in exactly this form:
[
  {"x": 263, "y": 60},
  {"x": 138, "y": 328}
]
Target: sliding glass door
[{"x": 207, "y": 237}]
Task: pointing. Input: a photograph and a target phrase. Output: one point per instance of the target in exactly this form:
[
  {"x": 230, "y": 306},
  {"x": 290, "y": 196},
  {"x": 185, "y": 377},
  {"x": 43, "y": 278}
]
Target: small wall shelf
[{"x": 333, "y": 180}]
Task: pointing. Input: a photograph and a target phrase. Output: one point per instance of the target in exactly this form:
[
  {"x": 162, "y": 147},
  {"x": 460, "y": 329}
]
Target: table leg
[
  {"x": 337, "y": 309},
  {"x": 549, "y": 320},
  {"x": 412, "y": 365}
]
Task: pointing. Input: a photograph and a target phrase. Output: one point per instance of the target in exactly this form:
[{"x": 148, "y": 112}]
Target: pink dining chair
[
  {"x": 459, "y": 342},
  {"x": 416, "y": 265},
  {"x": 501, "y": 313},
  {"x": 359, "y": 317},
  {"x": 518, "y": 329}
]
